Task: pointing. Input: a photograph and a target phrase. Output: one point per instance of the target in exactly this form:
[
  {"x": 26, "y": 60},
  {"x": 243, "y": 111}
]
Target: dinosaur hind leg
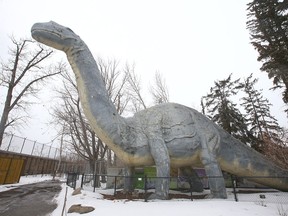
[
  {"x": 214, "y": 174},
  {"x": 194, "y": 181}
]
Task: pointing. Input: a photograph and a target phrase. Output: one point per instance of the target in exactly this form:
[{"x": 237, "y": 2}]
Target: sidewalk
[{"x": 30, "y": 199}]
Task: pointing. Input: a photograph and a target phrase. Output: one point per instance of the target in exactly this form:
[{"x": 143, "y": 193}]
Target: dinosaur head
[{"x": 54, "y": 35}]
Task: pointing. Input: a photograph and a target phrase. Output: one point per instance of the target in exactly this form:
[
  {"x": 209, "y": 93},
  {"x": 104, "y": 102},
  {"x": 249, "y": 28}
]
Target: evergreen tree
[
  {"x": 262, "y": 125},
  {"x": 218, "y": 106},
  {"x": 268, "y": 24}
]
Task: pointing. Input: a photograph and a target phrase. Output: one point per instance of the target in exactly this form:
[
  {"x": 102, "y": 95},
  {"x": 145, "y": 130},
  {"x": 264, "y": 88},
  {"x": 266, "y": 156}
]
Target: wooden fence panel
[
  {"x": 10, "y": 170},
  {"x": 32, "y": 165},
  {"x": 15, "y": 171},
  {"x": 4, "y": 167}
]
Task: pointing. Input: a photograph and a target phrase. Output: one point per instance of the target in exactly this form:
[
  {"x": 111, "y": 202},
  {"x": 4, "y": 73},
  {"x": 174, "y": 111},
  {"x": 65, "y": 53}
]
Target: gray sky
[{"x": 191, "y": 43}]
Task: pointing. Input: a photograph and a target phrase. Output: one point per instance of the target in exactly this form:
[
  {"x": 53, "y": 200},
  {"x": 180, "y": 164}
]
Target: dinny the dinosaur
[{"x": 166, "y": 135}]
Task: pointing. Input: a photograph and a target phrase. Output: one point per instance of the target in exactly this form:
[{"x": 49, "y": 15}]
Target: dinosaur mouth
[{"x": 44, "y": 33}]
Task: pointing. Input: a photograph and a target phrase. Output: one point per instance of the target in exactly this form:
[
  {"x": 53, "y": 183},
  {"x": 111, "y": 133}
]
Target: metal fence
[
  {"x": 238, "y": 188},
  {"x": 72, "y": 178},
  {"x": 21, "y": 145}
]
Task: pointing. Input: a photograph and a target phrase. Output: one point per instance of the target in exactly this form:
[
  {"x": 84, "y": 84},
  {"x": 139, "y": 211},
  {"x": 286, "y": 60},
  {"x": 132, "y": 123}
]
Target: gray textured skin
[{"x": 167, "y": 135}]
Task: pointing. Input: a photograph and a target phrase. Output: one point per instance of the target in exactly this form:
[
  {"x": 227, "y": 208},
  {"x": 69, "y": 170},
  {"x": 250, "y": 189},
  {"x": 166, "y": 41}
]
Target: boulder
[
  {"x": 77, "y": 208},
  {"x": 76, "y": 191}
]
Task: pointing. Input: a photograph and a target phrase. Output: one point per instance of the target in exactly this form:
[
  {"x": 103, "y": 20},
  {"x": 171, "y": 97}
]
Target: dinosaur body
[{"x": 167, "y": 135}]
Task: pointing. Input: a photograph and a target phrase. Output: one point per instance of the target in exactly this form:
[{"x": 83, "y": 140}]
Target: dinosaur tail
[{"x": 239, "y": 159}]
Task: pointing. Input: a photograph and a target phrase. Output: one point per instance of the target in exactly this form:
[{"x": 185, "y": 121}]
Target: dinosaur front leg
[
  {"x": 161, "y": 158},
  {"x": 214, "y": 174}
]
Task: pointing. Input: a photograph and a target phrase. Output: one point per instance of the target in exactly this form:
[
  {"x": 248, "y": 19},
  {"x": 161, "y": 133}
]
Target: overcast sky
[{"x": 191, "y": 43}]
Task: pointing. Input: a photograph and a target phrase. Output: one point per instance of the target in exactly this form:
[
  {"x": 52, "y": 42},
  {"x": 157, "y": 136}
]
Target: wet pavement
[{"x": 30, "y": 199}]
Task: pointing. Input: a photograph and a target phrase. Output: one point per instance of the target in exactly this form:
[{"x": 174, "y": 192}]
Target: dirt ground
[
  {"x": 175, "y": 195},
  {"x": 135, "y": 195}
]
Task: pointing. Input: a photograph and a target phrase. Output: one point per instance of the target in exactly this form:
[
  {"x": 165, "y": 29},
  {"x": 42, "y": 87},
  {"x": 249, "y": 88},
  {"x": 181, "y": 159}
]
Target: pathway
[{"x": 30, "y": 199}]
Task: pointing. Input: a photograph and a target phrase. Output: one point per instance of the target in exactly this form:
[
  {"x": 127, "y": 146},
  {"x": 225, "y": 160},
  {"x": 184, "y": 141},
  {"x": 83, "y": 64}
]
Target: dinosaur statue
[{"x": 166, "y": 135}]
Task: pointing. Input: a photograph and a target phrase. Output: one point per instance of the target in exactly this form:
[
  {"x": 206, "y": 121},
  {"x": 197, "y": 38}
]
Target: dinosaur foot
[
  {"x": 154, "y": 196},
  {"x": 219, "y": 194}
]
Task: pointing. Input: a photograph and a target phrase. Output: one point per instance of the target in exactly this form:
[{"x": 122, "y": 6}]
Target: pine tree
[
  {"x": 268, "y": 24},
  {"x": 218, "y": 106},
  {"x": 262, "y": 125}
]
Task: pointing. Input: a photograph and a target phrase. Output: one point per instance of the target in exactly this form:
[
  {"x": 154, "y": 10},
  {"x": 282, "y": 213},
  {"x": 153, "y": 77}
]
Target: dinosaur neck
[{"x": 97, "y": 106}]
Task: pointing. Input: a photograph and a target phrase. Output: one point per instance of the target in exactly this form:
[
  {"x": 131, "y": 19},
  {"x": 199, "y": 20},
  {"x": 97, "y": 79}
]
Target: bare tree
[
  {"x": 76, "y": 129},
  {"x": 21, "y": 76},
  {"x": 135, "y": 89},
  {"x": 159, "y": 90},
  {"x": 276, "y": 150},
  {"x": 116, "y": 83}
]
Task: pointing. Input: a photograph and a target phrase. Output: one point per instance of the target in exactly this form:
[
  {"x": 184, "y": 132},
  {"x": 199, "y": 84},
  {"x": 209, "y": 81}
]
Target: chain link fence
[{"x": 21, "y": 145}]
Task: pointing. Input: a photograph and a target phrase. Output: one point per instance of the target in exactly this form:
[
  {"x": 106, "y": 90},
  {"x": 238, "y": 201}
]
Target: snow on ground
[
  {"x": 275, "y": 204},
  {"x": 205, "y": 207}
]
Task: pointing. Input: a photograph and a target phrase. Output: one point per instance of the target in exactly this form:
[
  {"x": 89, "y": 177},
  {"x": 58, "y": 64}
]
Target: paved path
[{"x": 30, "y": 200}]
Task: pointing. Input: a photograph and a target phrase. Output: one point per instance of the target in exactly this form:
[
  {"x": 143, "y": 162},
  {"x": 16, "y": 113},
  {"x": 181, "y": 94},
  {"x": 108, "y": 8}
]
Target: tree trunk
[
  {"x": 2, "y": 126},
  {"x": 5, "y": 113}
]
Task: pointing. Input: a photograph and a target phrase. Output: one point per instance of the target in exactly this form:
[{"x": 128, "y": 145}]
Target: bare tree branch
[
  {"x": 135, "y": 86},
  {"x": 159, "y": 90},
  {"x": 26, "y": 56}
]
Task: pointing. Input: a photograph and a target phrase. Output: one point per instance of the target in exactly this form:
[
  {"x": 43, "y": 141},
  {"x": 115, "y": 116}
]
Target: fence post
[
  {"x": 145, "y": 188},
  {"x": 10, "y": 142},
  {"x": 49, "y": 150},
  {"x": 33, "y": 147},
  {"x": 233, "y": 179},
  {"x": 115, "y": 184},
  {"x": 82, "y": 180},
  {"x": 41, "y": 150},
  {"x": 67, "y": 181},
  {"x": 22, "y": 145}
]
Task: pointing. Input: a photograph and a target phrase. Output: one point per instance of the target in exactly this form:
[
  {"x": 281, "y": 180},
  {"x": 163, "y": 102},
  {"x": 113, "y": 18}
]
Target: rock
[
  {"x": 76, "y": 191},
  {"x": 77, "y": 208}
]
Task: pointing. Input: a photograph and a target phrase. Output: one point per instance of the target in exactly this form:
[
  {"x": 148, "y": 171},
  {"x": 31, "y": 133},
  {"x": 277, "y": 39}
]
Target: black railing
[
  {"x": 238, "y": 188},
  {"x": 72, "y": 179}
]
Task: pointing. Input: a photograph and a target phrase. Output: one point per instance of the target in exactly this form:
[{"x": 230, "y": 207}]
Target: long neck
[{"x": 97, "y": 106}]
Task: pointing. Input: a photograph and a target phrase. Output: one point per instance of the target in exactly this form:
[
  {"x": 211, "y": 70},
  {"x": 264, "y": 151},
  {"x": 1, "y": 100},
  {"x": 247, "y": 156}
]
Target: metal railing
[
  {"x": 21, "y": 145},
  {"x": 238, "y": 188},
  {"x": 72, "y": 178}
]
